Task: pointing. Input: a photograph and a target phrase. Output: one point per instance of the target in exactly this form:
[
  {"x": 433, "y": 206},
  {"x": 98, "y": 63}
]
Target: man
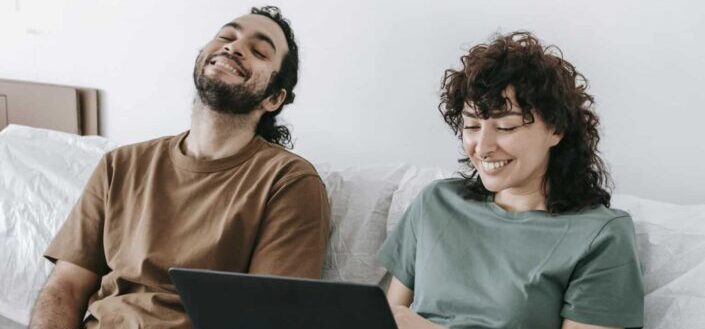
[{"x": 224, "y": 195}]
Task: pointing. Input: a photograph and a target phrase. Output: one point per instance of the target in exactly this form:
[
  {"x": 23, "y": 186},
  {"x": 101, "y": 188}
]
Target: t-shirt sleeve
[
  {"x": 80, "y": 239},
  {"x": 606, "y": 286},
  {"x": 398, "y": 253},
  {"x": 293, "y": 236}
]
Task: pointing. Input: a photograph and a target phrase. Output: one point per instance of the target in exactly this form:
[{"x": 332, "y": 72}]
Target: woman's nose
[{"x": 486, "y": 142}]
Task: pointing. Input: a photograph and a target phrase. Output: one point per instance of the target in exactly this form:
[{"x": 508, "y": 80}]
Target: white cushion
[
  {"x": 413, "y": 181},
  {"x": 360, "y": 198},
  {"x": 42, "y": 174},
  {"x": 671, "y": 246}
]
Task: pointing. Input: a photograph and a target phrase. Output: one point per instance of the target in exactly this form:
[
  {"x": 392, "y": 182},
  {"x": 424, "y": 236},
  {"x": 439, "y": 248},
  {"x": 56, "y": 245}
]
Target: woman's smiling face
[{"x": 509, "y": 154}]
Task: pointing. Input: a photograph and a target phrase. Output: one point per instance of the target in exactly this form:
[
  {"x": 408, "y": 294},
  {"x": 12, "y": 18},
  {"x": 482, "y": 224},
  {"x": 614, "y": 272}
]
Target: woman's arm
[
  {"x": 399, "y": 294},
  {"x": 399, "y": 298},
  {"x": 568, "y": 324}
]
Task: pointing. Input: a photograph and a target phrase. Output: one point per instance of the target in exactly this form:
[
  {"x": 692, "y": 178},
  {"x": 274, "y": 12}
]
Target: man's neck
[{"x": 216, "y": 135}]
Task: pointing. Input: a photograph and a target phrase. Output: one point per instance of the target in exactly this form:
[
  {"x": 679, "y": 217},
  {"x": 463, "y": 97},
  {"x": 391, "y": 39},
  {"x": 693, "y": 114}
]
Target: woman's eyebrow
[{"x": 498, "y": 115}]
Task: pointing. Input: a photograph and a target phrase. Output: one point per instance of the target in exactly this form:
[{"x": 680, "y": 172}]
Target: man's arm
[
  {"x": 295, "y": 229},
  {"x": 63, "y": 301}
]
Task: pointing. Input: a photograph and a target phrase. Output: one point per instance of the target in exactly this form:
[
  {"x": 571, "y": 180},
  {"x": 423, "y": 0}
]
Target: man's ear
[{"x": 274, "y": 101}]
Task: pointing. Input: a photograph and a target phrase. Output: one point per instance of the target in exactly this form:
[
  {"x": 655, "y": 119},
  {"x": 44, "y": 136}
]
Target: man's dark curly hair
[
  {"x": 286, "y": 79},
  {"x": 546, "y": 85}
]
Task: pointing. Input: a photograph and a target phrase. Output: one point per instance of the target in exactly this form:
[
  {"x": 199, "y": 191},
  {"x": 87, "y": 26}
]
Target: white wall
[{"x": 371, "y": 70}]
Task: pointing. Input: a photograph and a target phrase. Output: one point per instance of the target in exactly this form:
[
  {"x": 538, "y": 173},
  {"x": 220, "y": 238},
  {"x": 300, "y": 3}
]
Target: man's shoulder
[
  {"x": 284, "y": 161},
  {"x": 139, "y": 150}
]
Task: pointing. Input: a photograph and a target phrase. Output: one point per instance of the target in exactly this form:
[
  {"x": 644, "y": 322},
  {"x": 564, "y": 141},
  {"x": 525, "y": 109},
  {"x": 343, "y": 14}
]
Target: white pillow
[
  {"x": 671, "y": 245},
  {"x": 360, "y": 198},
  {"x": 411, "y": 184},
  {"x": 42, "y": 174}
]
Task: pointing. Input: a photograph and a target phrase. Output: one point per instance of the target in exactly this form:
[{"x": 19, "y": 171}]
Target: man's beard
[{"x": 222, "y": 97}]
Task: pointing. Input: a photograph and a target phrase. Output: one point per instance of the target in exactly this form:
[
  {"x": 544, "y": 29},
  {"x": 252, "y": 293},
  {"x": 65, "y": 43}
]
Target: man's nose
[{"x": 234, "y": 48}]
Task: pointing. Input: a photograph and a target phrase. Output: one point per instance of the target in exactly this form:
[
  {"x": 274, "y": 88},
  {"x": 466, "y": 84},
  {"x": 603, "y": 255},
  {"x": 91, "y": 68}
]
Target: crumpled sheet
[
  {"x": 359, "y": 198},
  {"x": 670, "y": 244},
  {"x": 42, "y": 174},
  {"x": 6, "y": 323}
]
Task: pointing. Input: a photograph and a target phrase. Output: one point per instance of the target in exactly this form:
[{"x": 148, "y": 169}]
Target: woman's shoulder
[
  {"x": 447, "y": 192},
  {"x": 603, "y": 220},
  {"x": 599, "y": 214},
  {"x": 454, "y": 185}
]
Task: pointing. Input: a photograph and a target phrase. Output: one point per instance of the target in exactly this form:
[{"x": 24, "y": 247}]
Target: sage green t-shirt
[{"x": 472, "y": 264}]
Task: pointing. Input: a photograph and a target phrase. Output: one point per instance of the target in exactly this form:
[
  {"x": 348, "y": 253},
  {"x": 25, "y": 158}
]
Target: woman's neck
[{"x": 517, "y": 201}]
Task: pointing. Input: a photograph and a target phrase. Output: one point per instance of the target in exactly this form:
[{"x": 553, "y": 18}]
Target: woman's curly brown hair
[{"x": 547, "y": 85}]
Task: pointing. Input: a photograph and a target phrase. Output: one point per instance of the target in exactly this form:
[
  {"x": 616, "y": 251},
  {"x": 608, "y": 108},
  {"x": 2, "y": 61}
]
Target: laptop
[{"x": 215, "y": 300}]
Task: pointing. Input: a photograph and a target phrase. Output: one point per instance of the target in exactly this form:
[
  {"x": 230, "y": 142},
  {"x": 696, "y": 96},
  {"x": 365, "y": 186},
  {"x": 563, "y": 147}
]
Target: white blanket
[{"x": 42, "y": 174}]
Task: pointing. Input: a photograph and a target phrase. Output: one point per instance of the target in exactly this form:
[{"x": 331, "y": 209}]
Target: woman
[{"x": 527, "y": 238}]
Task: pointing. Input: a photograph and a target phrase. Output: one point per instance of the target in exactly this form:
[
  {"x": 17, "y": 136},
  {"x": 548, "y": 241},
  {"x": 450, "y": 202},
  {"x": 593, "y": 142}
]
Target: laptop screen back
[{"x": 216, "y": 300}]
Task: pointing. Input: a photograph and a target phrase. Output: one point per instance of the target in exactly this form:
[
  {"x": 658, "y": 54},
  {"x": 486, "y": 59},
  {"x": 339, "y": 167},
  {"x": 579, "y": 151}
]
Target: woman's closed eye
[{"x": 502, "y": 129}]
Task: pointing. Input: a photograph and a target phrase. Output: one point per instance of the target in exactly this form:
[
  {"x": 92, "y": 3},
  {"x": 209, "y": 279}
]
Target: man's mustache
[{"x": 237, "y": 61}]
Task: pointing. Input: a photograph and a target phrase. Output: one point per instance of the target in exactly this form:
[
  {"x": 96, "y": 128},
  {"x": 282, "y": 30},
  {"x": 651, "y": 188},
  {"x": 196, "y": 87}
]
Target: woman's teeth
[{"x": 492, "y": 165}]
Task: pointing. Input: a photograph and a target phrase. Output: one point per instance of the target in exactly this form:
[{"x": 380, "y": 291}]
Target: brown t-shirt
[{"x": 148, "y": 207}]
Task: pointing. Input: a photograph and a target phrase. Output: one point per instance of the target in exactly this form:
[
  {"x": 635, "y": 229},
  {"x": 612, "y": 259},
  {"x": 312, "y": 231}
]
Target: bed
[
  {"x": 73, "y": 110},
  {"x": 62, "y": 108},
  {"x": 42, "y": 173}
]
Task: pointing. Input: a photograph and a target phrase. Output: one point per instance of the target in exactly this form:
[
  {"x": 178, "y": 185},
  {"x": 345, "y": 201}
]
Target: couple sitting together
[{"x": 524, "y": 239}]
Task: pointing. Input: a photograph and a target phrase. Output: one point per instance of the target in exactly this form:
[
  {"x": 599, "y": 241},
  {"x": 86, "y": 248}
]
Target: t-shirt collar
[{"x": 182, "y": 161}]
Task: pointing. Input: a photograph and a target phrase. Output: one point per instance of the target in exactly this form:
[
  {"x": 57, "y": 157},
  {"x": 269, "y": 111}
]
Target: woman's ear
[{"x": 556, "y": 138}]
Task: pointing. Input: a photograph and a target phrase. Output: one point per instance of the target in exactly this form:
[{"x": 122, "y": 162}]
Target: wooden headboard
[{"x": 63, "y": 108}]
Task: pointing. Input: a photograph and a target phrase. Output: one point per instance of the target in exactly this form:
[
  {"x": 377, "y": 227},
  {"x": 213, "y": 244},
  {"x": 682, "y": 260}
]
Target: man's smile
[{"x": 228, "y": 66}]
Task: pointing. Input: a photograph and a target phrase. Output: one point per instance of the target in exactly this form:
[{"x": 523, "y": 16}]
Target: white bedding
[
  {"x": 6, "y": 323},
  {"x": 670, "y": 242},
  {"x": 43, "y": 172}
]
